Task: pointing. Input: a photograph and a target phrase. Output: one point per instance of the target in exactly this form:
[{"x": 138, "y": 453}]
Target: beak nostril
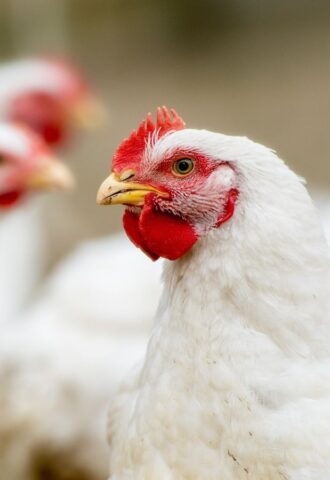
[{"x": 127, "y": 175}]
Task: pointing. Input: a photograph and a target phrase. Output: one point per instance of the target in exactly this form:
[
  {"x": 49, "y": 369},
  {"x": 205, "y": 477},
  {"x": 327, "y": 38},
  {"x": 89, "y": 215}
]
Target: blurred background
[{"x": 259, "y": 68}]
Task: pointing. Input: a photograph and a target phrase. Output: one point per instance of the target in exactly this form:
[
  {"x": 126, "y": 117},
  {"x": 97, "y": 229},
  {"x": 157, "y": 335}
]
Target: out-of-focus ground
[{"x": 257, "y": 68}]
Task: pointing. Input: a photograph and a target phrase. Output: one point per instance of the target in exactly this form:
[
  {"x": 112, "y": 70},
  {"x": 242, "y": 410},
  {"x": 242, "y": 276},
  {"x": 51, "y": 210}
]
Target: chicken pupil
[{"x": 184, "y": 165}]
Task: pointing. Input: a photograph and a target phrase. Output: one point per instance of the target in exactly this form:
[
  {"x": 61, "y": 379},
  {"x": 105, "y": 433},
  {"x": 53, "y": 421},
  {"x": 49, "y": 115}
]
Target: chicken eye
[{"x": 183, "y": 167}]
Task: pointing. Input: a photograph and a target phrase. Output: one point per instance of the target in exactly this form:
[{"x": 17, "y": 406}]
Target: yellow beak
[
  {"x": 88, "y": 114},
  {"x": 50, "y": 175},
  {"x": 114, "y": 191}
]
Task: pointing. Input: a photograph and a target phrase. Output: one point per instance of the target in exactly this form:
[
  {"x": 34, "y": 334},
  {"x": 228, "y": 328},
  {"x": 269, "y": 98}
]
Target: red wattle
[
  {"x": 132, "y": 229},
  {"x": 159, "y": 234},
  {"x": 53, "y": 134},
  {"x": 9, "y": 199},
  {"x": 166, "y": 235}
]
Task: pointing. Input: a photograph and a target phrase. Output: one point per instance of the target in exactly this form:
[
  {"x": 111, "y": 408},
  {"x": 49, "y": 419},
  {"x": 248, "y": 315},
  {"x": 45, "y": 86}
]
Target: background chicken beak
[
  {"x": 88, "y": 114},
  {"x": 51, "y": 175},
  {"x": 115, "y": 192}
]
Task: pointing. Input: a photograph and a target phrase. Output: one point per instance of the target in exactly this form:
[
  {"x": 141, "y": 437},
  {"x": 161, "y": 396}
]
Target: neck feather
[{"x": 245, "y": 278}]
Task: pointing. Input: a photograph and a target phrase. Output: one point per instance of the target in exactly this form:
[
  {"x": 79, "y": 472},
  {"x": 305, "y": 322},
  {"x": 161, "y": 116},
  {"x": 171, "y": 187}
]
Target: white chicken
[
  {"x": 236, "y": 380},
  {"x": 26, "y": 164},
  {"x": 49, "y": 96}
]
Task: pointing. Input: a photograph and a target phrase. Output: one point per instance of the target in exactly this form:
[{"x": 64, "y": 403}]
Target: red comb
[{"x": 130, "y": 151}]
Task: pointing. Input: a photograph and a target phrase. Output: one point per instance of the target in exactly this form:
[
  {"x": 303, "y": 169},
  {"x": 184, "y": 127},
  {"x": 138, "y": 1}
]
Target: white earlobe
[{"x": 223, "y": 177}]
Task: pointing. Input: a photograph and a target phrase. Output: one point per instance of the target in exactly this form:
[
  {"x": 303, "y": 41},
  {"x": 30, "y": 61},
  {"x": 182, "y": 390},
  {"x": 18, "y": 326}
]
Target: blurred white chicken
[
  {"x": 50, "y": 97},
  {"x": 26, "y": 164},
  {"x": 61, "y": 363}
]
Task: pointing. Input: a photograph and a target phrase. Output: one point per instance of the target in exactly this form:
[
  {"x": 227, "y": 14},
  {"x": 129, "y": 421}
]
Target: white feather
[
  {"x": 322, "y": 201},
  {"x": 21, "y": 257},
  {"x": 13, "y": 140}
]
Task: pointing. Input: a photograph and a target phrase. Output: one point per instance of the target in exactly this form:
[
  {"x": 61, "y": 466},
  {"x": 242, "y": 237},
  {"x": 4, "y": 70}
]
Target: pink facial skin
[{"x": 170, "y": 227}]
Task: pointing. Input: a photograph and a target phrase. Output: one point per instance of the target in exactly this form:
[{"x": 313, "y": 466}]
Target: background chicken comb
[{"x": 130, "y": 151}]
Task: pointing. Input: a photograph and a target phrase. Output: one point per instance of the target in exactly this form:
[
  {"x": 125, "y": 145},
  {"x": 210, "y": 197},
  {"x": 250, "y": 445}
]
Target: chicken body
[
  {"x": 21, "y": 260},
  {"x": 236, "y": 380}
]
